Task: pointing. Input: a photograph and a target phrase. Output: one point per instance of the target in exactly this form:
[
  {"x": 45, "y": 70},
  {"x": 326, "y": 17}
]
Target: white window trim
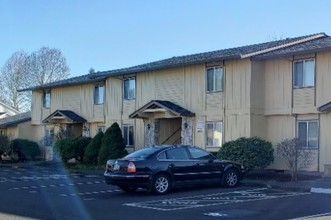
[
  {"x": 44, "y": 99},
  {"x": 134, "y": 93},
  {"x": 128, "y": 128},
  {"x": 214, "y": 126},
  {"x": 303, "y": 62},
  {"x": 297, "y": 133},
  {"x": 98, "y": 86},
  {"x": 214, "y": 79}
]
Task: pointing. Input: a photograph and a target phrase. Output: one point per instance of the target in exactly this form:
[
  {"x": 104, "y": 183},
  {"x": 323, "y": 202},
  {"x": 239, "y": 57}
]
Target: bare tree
[
  {"x": 22, "y": 71},
  {"x": 47, "y": 65},
  {"x": 14, "y": 77},
  {"x": 296, "y": 158}
]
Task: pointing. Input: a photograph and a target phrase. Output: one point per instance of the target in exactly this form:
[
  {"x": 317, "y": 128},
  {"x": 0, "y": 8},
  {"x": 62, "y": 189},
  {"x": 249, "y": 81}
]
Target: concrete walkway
[{"x": 307, "y": 181}]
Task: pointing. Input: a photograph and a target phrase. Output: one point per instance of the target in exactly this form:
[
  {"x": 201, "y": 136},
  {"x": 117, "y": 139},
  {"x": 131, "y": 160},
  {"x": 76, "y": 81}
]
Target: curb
[{"x": 320, "y": 190}]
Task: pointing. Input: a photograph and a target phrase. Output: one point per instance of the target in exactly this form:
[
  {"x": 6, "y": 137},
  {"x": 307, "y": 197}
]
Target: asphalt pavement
[{"x": 307, "y": 181}]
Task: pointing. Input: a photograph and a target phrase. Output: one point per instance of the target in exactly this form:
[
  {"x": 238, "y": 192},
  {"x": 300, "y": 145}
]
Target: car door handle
[{"x": 171, "y": 165}]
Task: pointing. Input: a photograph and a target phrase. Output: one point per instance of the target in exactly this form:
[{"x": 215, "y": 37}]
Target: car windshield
[{"x": 142, "y": 153}]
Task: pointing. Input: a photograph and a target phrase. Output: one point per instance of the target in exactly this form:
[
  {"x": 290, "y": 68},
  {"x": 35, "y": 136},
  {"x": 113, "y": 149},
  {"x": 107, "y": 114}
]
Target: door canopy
[
  {"x": 64, "y": 117},
  {"x": 161, "y": 109}
]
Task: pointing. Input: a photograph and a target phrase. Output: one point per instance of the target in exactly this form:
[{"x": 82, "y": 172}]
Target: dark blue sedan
[{"x": 161, "y": 168}]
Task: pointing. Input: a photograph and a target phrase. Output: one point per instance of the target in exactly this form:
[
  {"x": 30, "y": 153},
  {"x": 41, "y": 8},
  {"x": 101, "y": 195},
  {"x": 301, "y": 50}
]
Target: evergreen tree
[
  {"x": 93, "y": 149},
  {"x": 113, "y": 145}
]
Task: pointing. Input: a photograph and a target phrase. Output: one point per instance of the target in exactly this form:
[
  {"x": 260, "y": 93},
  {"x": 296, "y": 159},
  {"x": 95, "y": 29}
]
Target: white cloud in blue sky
[{"x": 113, "y": 34}]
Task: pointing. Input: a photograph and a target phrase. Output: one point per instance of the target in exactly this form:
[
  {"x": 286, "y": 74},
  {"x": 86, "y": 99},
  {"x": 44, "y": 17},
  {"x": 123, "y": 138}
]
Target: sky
[{"x": 108, "y": 34}]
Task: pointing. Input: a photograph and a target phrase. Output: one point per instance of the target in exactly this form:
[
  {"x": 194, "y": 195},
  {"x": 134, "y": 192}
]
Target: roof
[
  {"x": 15, "y": 120},
  {"x": 161, "y": 106},
  {"x": 7, "y": 108},
  {"x": 325, "y": 108},
  {"x": 311, "y": 42},
  {"x": 68, "y": 115}
]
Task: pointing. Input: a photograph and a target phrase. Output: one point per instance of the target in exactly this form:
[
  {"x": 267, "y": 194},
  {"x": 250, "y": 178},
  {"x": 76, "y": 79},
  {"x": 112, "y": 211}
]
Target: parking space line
[{"x": 215, "y": 199}]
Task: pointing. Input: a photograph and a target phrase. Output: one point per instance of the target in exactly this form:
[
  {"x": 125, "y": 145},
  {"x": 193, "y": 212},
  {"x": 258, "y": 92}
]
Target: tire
[
  {"x": 161, "y": 184},
  {"x": 128, "y": 189},
  {"x": 230, "y": 178}
]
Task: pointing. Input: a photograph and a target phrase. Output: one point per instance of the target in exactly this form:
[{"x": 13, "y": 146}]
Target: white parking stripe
[{"x": 214, "y": 199}]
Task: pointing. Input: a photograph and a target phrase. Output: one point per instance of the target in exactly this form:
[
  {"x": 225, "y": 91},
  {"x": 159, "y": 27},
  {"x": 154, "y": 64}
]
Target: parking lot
[{"x": 53, "y": 193}]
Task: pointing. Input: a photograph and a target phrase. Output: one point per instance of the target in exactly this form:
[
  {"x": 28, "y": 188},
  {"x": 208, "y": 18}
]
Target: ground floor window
[
  {"x": 100, "y": 129},
  {"x": 214, "y": 136},
  {"x": 307, "y": 133},
  {"x": 49, "y": 136},
  {"x": 128, "y": 135}
]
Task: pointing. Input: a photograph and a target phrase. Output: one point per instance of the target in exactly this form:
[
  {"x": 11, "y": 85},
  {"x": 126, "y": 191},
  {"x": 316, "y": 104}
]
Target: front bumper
[{"x": 133, "y": 180}]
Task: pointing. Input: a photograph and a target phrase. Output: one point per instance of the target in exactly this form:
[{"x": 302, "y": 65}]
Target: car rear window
[{"x": 143, "y": 153}]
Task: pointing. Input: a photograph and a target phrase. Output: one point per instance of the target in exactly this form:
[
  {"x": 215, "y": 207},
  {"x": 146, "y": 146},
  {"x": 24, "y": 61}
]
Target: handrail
[{"x": 173, "y": 134}]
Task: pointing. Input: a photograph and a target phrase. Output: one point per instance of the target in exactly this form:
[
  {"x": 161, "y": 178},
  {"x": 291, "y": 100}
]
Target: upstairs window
[
  {"x": 215, "y": 79},
  {"x": 130, "y": 88},
  {"x": 304, "y": 73},
  {"x": 47, "y": 99},
  {"x": 307, "y": 133},
  {"x": 99, "y": 91}
]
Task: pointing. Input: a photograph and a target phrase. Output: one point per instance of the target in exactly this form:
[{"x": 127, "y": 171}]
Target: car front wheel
[
  {"x": 230, "y": 178},
  {"x": 161, "y": 184}
]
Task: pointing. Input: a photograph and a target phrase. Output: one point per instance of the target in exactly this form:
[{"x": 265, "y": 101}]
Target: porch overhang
[
  {"x": 64, "y": 117},
  {"x": 164, "y": 109},
  {"x": 326, "y": 108}
]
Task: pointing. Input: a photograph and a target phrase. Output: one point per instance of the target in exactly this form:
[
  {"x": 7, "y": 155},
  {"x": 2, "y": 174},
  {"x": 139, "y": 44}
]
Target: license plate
[{"x": 116, "y": 167}]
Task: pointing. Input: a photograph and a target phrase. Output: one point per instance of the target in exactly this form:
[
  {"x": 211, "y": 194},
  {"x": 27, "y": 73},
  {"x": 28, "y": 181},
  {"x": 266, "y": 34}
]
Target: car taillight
[{"x": 131, "y": 168}]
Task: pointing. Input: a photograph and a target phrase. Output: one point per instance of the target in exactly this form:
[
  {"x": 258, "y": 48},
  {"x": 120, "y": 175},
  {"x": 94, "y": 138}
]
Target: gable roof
[
  {"x": 68, "y": 115},
  {"x": 291, "y": 45},
  {"x": 4, "y": 108},
  {"x": 15, "y": 120},
  {"x": 161, "y": 106}
]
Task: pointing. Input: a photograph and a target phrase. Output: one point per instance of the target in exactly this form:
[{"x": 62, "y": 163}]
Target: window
[
  {"x": 214, "y": 134},
  {"x": 99, "y": 91},
  {"x": 177, "y": 154},
  {"x": 100, "y": 129},
  {"x": 128, "y": 135},
  {"x": 307, "y": 133},
  {"x": 304, "y": 73},
  {"x": 47, "y": 99},
  {"x": 199, "y": 154},
  {"x": 49, "y": 135},
  {"x": 215, "y": 79},
  {"x": 130, "y": 88}
]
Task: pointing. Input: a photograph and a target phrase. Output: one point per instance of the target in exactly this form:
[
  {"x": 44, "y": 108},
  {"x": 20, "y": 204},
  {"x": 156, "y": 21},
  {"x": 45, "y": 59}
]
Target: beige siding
[
  {"x": 36, "y": 115},
  {"x": 129, "y": 106},
  {"x": 278, "y": 86},
  {"x": 304, "y": 98},
  {"x": 323, "y": 78},
  {"x": 87, "y": 108},
  {"x": 325, "y": 140},
  {"x": 214, "y": 101},
  {"x": 114, "y": 103},
  {"x": 280, "y": 128},
  {"x": 194, "y": 89},
  {"x": 237, "y": 85},
  {"x": 71, "y": 99},
  {"x": 145, "y": 88},
  {"x": 169, "y": 85},
  {"x": 236, "y": 126}
]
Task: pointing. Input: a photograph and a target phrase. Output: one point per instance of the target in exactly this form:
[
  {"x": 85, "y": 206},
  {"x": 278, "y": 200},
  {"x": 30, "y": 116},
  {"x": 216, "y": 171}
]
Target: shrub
[
  {"x": 295, "y": 157},
  {"x": 251, "y": 152},
  {"x": 92, "y": 149},
  {"x": 113, "y": 145},
  {"x": 25, "y": 149},
  {"x": 4, "y": 144},
  {"x": 72, "y": 148}
]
